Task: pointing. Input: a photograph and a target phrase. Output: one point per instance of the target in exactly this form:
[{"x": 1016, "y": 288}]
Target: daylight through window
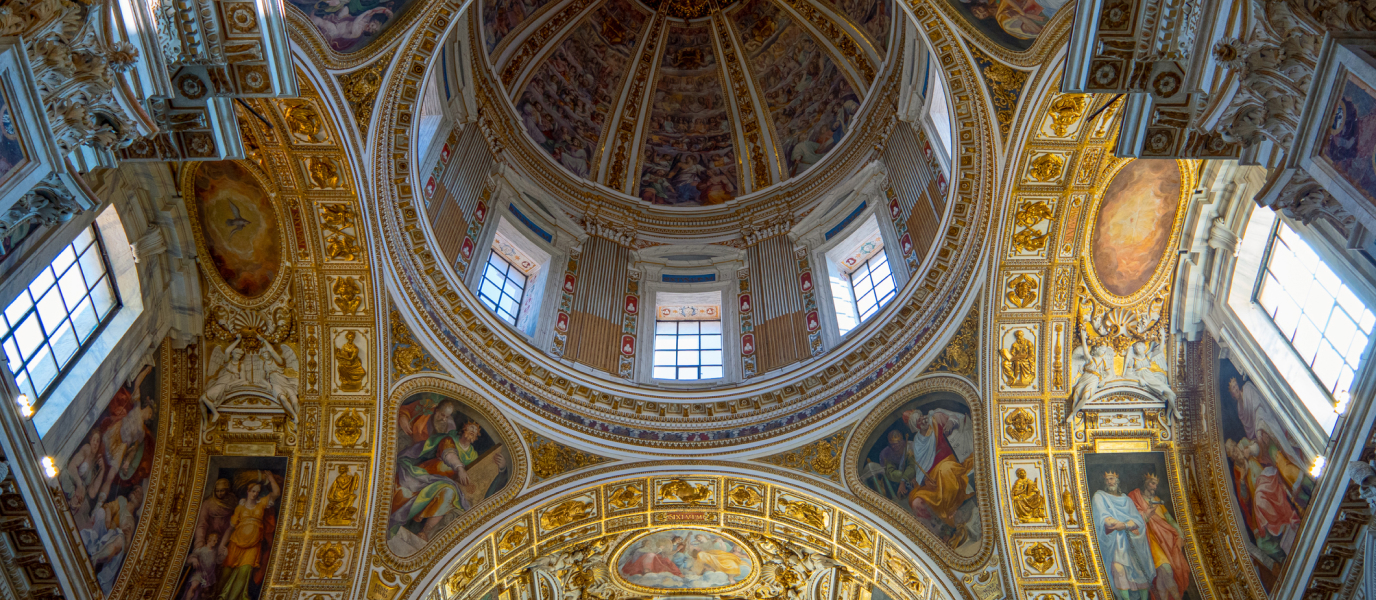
[
  {"x": 688, "y": 350},
  {"x": 52, "y": 321},
  {"x": 872, "y": 283},
  {"x": 503, "y": 288},
  {"x": 1326, "y": 323}
]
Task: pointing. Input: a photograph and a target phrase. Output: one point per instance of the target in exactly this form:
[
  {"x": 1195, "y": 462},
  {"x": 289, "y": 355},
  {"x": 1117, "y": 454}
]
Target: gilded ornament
[
  {"x": 1019, "y": 362},
  {"x": 565, "y": 513},
  {"x": 553, "y": 459},
  {"x": 744, "y": 495},
  {"x": 821, "y": 457},
  {"x": 1020, "y": 425},
  {"x": 464, "y": 575},
  {"x": 1068, "y": 505},
  {"x": 329, "y": 558},
  {"x": 1028, "y": 504},
  {"x": 1022, "y": 291},
  {"x": 678, "y": 489},
  {"x": 824, "y": 458},
  {"x": 1040, "y": 557},
  {"x": 348, "y": 365},
  {"x": 626, "y": 496},
  {"x": 323, "y": 173},
  {"x": 347, "y": 292},
  {"x": 408, "y": 358},
  {"x": 803, "y": 512},
  {"x": 304, "y": 123},
  {"x": 339, "y": 501},
  {"x": 1057, "y": 365},
  {"x": 900, "y": 568},
  {"x": 338, "y": 222},
  {"x": 960, "y": 355},
  {"x": 1047, "y": 167},
  {"x": 1005, "y": 86},
  {"x": 348, "y": 427},
  {"x": 512, "y": 539},
  {"x": 1030, "y": 239},
  {"x": 360, "y": 90},
  {"x": 856, "y": 536},
  {"x": 1065, "y": 110}
]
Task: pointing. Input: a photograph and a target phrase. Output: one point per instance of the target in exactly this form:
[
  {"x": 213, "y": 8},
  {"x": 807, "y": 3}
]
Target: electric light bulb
[
  {"x": 49, "y": 466},
  {"x": 25, "y": 407},
  {"x": 1317, "y": 469}
]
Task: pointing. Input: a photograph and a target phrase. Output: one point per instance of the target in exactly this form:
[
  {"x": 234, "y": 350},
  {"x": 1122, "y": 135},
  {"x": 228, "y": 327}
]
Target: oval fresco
[
  {"x": 922, "y": 458},
  {"x": 449, "y": 459},
  {"x": 685, "y": 559},
  {"x": 1134, "y": 224},
  {"x": 239, "y": 225}
]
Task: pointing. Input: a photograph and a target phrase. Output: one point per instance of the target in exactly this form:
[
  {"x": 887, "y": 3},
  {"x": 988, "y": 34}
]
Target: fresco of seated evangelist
[
  {"x": 684, "y": 559},
  {"x": 448, "y": 460},
  {"x": 922, "y": 457},
  {"x": 106, "y": 478},
  {"x": 1270, "y": 484}
]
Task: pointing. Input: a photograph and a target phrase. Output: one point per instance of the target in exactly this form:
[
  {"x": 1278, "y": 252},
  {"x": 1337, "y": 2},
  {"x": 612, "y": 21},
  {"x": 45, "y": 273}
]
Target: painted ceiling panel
[
  {"x": 689, "y": 156},
  {"x": 565, "y": 104},
  {"x": 502, "y": 17}
]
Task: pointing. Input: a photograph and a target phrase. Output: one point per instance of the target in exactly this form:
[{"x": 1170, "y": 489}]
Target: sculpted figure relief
[
  {"x": 1019, "y": 361},
  {"x": 339, "y": 502},
  {"x": 267, "y": 371},
  {"x": 1028, "y": 504}
]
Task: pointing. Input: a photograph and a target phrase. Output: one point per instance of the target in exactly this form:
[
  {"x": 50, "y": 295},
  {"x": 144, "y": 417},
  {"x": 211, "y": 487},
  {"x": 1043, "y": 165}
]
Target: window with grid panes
[
  {"x": 1327, "y": 324},
  {"x": 53, "y": 320},
  {"x": 688, "y": 350},
  {"x": 872, "y": 284},
  {"x": 503, "y": 288}
]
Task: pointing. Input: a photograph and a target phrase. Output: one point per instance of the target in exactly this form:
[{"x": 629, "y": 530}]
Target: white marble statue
[{"x": 269, "y": 370}]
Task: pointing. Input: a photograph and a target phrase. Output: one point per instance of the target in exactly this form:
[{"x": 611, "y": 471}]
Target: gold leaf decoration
[
  {"x": 961, "y": 355},
  {"x": 822, "y": 457},
  {"x": 408, "y": 357},
  {"x": 1005, "y": 87},
  {"x": 552, "y": 459},
  {"x": 360, "y": 90}
]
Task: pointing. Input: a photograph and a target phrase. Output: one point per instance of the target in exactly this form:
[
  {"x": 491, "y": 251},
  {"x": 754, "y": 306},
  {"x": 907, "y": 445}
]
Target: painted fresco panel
[
  {"x": 1141, "y": 544},
  {"x": 874, "y": 17},
  {"x": 684, "y": 559},
  {"x": 502, "y": 17},
  {"x": 922, "y": 457},
  {"x": 809, "y": 100},
  {"x": 239, "y": 225},
  {"x": 690, "y": 159},
  {"x": 11, "y": 144},
  {"x": 566, "y": 101},
  {"x": 1134, "y": 224},
  {"x": 1349, "y": 142},
  {"x": 105, "y": 479},
  {"x": 348, "y": 25},
  {"x": 1013, "y": 24},
  {"x": 429, "y": 490},
  {"x": 1271, "y": 486},
  {"x": 235, "y": 530}
]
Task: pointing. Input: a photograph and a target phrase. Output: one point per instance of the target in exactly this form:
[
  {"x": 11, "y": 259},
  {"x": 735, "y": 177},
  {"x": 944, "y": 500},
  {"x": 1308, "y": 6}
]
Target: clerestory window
[
  {"x": 688, "y": 350},
  {"x": 503, "y": 288}
]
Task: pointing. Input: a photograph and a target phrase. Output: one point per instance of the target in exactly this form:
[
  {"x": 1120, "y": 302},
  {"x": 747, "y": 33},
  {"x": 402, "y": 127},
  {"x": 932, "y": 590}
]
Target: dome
[{"x": 687, "y": 102}]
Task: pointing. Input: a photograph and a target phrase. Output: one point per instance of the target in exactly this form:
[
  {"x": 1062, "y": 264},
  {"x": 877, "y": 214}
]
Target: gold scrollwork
[
  {"x": 1064, "y": 111},
  {"x": 348, "y": 427},
  {"x": 744, "y": 496},
  {"x": 1020, "y": 424},
  {"x": 1040, "y": 556},
  {"x": 678, "y": 489},
  {"x": 1022, "y": 290},
  {"x": 1047, "y": 167},
  {"x": 329, "y": 558},
  {"x": 408, "y": 358},
  {"x": 569, "y": 511}
]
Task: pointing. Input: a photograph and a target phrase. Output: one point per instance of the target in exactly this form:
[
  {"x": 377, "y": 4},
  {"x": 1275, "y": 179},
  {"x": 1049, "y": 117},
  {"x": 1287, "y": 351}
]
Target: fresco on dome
[
  {"x": 684, "y": 559},
  {"x": 810, "y": 102},
  {"x": 236, "y": 529},
  {"x": 871, "y": 16},
  {"x": 501, "y": 17},
  {"x": 1013, "y": 24},
  {"x": 690, "y": 159},
  {"x": 105, "y": 479},
  {"x": 567, "y": 100},
  {"x": 1141, "y": 543},
  {"x": 1349, "y": 141},
  {"x": 239, "y": 225},
  {"x": 449, "y": 459},
  {"x": 1136, "y": 216},
  {"x": 922, "y": 457},
  {"x": 348, "y": 25},
  {"x": 1271, "y": 486}
]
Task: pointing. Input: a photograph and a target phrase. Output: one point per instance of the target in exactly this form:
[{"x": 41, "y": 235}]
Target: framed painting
[
  {"x": 28, "y": 152},
  {"x": 235, "y": 529},
  {"x": 1336, "y": 136},
  {"x": 1142, "y": 546}
]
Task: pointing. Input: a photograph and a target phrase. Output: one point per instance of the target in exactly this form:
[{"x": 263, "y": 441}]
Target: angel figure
[
  {"x": 1139, "y": 367},
  {"x": 226, "y": 371},
  {"x": 1097, "y": 366},
  {"x": 278, "y": 370}
]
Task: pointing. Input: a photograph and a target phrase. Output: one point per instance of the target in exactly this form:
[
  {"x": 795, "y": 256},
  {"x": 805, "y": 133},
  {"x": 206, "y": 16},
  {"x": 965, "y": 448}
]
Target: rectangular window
[
  {"x": 503, "y": 288},
  {"x": 1326, "y": 324},
  {"x": 52, "y": 321},
  {"x": 872, "y": 284},
  {"x": 688, "y": 350}
]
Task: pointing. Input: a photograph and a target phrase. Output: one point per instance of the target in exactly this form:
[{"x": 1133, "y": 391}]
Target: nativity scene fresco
[
  {"x": 449, "y": 459},
  {"x": 922, "y": 458}
]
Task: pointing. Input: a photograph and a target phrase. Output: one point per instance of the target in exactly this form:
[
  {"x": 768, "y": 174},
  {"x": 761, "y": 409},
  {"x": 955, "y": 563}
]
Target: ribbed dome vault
[{"x": 687, "y": 102}]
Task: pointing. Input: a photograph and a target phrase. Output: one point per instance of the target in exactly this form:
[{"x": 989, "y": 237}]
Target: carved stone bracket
[{"x": 1295, "y": 194}]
